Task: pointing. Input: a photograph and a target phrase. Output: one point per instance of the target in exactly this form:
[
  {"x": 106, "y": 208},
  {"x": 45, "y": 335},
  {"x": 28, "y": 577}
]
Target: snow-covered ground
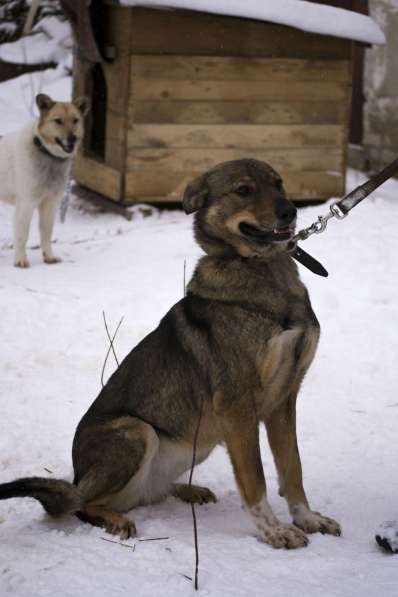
[{"x": 53, "y": 344}]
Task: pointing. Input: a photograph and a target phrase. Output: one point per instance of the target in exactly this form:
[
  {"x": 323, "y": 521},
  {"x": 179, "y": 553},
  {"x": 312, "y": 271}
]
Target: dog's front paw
[
  {"x": 314, "y": 522},
  {"x": 51, "y": 259},
  {"x": 22, "y": 263},
  {"x": 283, "y": 535}
]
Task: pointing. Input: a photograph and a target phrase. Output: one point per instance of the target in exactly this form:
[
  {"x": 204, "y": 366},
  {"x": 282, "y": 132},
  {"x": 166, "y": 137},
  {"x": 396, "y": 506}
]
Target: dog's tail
[{"x": 56, "y": 496}]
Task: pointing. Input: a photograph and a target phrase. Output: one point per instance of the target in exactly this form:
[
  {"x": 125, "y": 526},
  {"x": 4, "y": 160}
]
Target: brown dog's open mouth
[
  {"x": 259, "y": 234},
  {"x": 67, "y": 148}
]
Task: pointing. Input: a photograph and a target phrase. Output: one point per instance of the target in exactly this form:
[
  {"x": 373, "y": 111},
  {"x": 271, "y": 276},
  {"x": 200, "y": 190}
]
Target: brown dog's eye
[
  {"x": 244, "y": 190},
  {"x": 58, "y": 120},
  {"x": 75, "y": 120}
]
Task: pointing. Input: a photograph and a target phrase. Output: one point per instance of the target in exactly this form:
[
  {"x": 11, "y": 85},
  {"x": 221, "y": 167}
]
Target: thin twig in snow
[
  {"x": 155, "y": 539},
  {"x": 109, "y": 337},
  {"x": 111, "y": 347},
  {"x": 119, "y": 543},
  {"x": 195, "y": 525},
  {"x": 194, "y": 449},
  {"x": 185, "y": 576},
  {"x": 185, "y": 271}
]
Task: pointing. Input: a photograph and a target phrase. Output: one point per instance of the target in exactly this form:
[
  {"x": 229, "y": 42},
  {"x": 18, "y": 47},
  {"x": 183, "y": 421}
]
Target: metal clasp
[
  {"x": 322, "y": 222},
  {"x": 318, "y": 226},
  {"x": 338, "y": 212}
]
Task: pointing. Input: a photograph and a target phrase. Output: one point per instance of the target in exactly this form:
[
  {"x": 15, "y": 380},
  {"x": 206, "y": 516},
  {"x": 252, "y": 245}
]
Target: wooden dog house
[{"x": 178, "y": 91}]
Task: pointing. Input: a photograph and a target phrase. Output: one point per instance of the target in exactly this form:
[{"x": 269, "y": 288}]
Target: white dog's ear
[
  {"x": 44, "y": 102},
  {"x": 195, "y": 195},
  {"x": 83, "y": 104}
]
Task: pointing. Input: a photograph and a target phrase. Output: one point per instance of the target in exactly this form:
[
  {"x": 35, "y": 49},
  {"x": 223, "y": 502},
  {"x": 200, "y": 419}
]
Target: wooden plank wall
[
  {"x": 189, "y": 112},
  {"x": 188, "y": 90},
  {"x": 106, "y": 174},
  {"x": 184, "y": 32}
]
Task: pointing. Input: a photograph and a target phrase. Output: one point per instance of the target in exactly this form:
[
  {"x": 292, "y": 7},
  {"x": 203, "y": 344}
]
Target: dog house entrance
[{"x": 96, "y": 139}]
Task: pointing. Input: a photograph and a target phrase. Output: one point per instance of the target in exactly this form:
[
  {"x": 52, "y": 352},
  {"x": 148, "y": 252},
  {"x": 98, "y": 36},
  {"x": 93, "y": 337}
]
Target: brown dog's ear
[
  {"x": 195, "y": 195},
  {"x": 83, "y": 104},
  {"x": 44, "y": 102}
]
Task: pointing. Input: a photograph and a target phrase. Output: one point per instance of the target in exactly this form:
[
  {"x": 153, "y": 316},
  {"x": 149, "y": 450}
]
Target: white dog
[{"x": 35, "y": 164}]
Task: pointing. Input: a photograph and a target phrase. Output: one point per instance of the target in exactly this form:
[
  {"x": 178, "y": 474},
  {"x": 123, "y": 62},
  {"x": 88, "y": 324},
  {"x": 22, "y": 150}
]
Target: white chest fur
[{"x": 283, "y": 362}]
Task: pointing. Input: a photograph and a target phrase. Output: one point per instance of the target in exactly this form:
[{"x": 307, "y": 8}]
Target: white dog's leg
[
  {"x": 22, "y": 219},
  {"x": 47, "y": 211}
]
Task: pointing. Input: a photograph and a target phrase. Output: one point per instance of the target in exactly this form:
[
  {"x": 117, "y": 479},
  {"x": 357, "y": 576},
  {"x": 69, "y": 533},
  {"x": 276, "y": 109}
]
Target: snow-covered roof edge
[{"x": 301, "y": 14}]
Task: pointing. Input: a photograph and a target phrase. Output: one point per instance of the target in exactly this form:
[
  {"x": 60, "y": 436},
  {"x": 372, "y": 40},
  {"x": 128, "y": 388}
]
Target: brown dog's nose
[
  {"x": 285, "y": 212},
  {"x": 71, "y": 139}
]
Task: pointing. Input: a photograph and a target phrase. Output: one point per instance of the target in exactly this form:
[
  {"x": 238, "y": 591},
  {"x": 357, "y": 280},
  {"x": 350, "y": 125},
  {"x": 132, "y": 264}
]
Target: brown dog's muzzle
[
  {"x": 283, "y": 229},
  {"x": 285, "y": 213}
]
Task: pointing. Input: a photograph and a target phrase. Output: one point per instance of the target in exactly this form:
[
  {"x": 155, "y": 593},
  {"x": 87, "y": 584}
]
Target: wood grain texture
[
  {"x": 98, "y": 176},
  {"x": 237, "y": 112},
  {"x": 239, "y": 69},
  {"x": 192, "y": 89},
  {"x": 169, "y": 185},
  {"x": 190, "y": 32},
  {"x": 118, "y": 29},
  {"x": 116, "y": 140},
  {"x": 200, "y": 160},
  {"x": 235, "y": 136},
  {"x": 117, "y": 76},
  {"x": 188, "y": 90}
]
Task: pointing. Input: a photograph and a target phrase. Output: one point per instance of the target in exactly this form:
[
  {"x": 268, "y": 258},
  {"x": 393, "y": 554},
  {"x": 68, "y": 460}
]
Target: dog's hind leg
[
  {"x": 112, "y": 461},
  {"x": 281, "y": 430},
  {"x": 194, "y": 494},
  {"x": 47, "y": 209}
]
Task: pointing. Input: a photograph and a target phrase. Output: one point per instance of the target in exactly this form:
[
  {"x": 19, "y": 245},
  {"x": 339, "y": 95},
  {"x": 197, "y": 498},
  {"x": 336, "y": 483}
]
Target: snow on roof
[{"x": 301, "y": 14}]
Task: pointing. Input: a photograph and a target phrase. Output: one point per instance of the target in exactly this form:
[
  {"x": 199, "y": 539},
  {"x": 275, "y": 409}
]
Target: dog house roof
[{"x": 301, "y": 14}]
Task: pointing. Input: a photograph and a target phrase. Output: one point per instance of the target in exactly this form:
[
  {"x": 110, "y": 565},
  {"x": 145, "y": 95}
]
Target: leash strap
[
  {"x": 309, "y": 262},
  {"x": 360, "y": 193},
  {"x": 339, "y": 210}
]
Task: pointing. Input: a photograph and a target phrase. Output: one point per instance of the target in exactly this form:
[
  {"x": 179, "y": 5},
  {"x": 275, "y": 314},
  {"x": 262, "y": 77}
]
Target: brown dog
[{"x": 236, "y": 348}]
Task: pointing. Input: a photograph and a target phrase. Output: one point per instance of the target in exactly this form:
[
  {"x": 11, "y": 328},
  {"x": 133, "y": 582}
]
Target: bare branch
[
  {"x": 184, "y": 282},
  {"x": 155, "y": 539},
  {"x": 111, "y": 347},
  {"x": 118, "y": 543},
  {"x": 195, "y": 526}
]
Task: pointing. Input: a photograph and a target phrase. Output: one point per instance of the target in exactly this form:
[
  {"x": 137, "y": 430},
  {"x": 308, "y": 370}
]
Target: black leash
[
  {"x": 309, "y": 262},
  {"x": 338, "y": 209}
]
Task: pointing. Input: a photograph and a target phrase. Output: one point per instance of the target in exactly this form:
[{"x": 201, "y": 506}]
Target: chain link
[{"x": 318, "y": 226}]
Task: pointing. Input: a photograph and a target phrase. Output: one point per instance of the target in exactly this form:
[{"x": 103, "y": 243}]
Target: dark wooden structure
[{"x": 179, "y": 91}]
